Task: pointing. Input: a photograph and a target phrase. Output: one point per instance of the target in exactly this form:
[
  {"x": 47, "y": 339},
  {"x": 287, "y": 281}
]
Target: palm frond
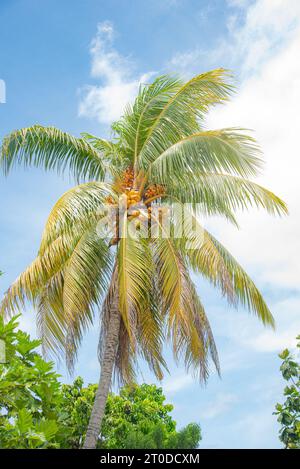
[
  {"x": 182, "y": 113},
  {"x": 223, "y": 194},
  {"x": 208, "y": 257},
  {"x": 36, "y": 276},
  {"x": 225, "y": 150},
  {"x": 50, "y": 148},
  {"x": 188, "y": 326},
  {"x": 134, "y": 274},
  {"x": 150, "y": 331},
  {"x": 76, "y": 210},
  {"x": 86, "y": 278},
  {"x": 51, "y": 321}
]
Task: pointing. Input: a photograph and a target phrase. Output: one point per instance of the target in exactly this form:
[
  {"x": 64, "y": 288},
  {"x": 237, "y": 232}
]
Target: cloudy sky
[{"x": 75, "y": 64}]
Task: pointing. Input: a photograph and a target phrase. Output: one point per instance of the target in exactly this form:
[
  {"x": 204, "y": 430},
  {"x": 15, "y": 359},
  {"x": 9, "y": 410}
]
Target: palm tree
[{"x": 160, "y": 154}]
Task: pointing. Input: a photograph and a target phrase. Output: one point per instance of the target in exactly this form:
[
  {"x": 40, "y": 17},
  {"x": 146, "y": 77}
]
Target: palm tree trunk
[{"x": 107, "y": 366}]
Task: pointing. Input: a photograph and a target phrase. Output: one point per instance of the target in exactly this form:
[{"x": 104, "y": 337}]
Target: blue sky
[{"x": 74, "y": 64}]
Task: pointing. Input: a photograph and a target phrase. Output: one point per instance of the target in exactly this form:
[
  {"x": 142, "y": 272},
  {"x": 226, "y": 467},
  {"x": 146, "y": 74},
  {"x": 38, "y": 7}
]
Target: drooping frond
[
  {"x": 225, "y": 150},
  {"x": 199, "y": 342},
  {"x": 51, "y": 320},
  {"x": 29, "y": 284},
  {"x": 64, "y": 284},
  {"x": 50, "y": 148},
  {"x": 148, "y": 331},
  {"x": 188, "y": 326},
  {"x": 223, "y": 194},
  {"x": 76, "y": 210},
  {"x": 245, "y": 290},
  {"x": 182, "y": 113},
  {"x": 86, "y": 278},
  {"x": 208, "y": 257},
  {"x": 134, "y": 274}
]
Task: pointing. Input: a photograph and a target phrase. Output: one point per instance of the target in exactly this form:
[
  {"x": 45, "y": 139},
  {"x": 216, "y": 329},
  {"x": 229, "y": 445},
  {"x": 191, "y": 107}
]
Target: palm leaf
[
  {"x": 134, "y": 274},
  {"x": 50, "y": 148},
  {"x": 181, "y": 114},
  {"x": 207, "y": 256},
  {"x": 76, "y": 210},
  {"x": 225, "y": 150},
  {"x": 86, "y": 277},
  {"x": 223, "y": 194}
]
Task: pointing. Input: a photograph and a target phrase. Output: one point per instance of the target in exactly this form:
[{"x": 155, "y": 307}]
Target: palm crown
[{"x": 160, "y": 154}]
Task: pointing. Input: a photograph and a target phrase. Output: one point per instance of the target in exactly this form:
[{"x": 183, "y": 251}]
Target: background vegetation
[
  {"x": 289, "y": 412},
  {"x": 38, "y": 411}
]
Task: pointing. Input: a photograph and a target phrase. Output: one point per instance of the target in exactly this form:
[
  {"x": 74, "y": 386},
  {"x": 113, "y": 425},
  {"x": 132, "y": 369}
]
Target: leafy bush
[
  {"x": 139, "y": 418},
  {"x": 29, "y": 393},
  {"x": 289, "y": 412}
]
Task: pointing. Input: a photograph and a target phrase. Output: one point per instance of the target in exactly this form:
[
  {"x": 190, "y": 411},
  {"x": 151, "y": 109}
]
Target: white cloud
[
  {"x": 265, "y": 47},
  {"x": 221, "y": 404},
  {"x": 238, "y": 3},
  {"x": 253, "y": 37},
  {"x": 177, "y": 383},
  {"x": 119, "y": 85},
  {"x": 268, "y": 103},
  {"x": 246, "y": 334}
]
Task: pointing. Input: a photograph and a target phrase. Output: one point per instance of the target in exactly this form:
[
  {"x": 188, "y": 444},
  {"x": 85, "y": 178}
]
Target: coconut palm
[{"x": 160, "y": 156}]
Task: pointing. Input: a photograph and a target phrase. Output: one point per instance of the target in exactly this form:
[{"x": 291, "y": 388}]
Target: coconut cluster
[{"x": 154, "y": 190}]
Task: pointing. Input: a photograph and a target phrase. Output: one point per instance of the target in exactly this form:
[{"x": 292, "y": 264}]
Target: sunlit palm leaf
[
  {"x": 223, "y": 194},
  {"x": 134, "y": 275},
  {"x": 225, "y": 150},
  {"x": 208, "y": 257},
  {"x": 181, "y": 114},
  {"x": 76, "y": 210},
  {"x": 50, "y": 148},
  {"x": 86, "y": 278}
]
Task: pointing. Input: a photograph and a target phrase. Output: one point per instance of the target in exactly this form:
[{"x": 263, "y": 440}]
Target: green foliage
[
  {"x": 29, "y": 393},
  {"x": 76, "y": 406},
  {"x": 38, "y": 411},
  {"x": 140, "y": 418},
  {"x": 289, "y": 412},
  {"x": 136, "y": 418}
]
